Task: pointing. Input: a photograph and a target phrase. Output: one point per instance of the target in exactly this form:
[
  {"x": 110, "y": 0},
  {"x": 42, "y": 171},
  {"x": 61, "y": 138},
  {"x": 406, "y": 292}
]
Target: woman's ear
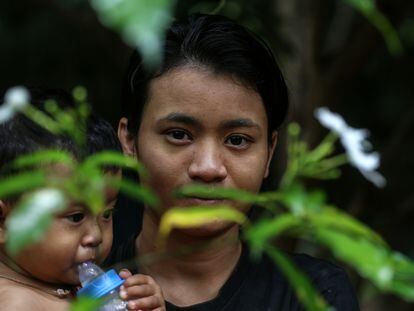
[
  {"x": 4, "y": 210},
  {"x": 272, "y": 147},
  {"x": 127, "y": 140}
]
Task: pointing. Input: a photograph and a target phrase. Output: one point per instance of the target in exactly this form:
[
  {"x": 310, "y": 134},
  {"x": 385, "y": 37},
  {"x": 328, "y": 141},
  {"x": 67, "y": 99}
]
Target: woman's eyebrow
[
  {"x": 226, "y": 124},
  {"x": 242, "y": 122},
  {"x": 180, "y": 118}
]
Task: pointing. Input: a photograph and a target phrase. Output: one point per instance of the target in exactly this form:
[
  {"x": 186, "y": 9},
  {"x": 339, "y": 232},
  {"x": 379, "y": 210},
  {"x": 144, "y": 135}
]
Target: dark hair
[
  {"x": 217, "y": 43},
  {"x": 20, "y": 135}
]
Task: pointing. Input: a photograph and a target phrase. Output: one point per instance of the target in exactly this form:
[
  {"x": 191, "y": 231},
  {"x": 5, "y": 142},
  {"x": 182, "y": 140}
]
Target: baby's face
[{"x": 75, "y": 236}]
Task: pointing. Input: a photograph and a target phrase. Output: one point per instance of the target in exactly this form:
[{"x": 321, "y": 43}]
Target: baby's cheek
[{"x": 106, "y": 244}]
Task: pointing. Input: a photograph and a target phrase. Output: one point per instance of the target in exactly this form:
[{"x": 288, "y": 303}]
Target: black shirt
[{"x": 261, "y": 286}]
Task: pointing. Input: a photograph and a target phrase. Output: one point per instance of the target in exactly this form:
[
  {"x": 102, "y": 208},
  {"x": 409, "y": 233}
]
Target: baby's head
[{"x": 75, "y": 234}]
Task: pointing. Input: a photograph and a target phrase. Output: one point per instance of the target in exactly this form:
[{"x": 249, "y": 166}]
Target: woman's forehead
[{"x": 201, "y": 93}]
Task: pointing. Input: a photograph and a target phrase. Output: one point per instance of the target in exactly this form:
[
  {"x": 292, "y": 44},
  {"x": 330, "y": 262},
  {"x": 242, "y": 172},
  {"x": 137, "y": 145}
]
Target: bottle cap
[{"x": 101, "y": 285}]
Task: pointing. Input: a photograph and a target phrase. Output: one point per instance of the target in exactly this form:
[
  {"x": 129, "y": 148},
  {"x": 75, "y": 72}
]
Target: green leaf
[
  {"x": 304, "y": 289},
  {"x": 85, "y": 304},
  {"x": 136, "y": 191},
  {"x": 113, "y": 158},
  {"x": 28, "y": 222},
  {"x": 403, "y": 276},
  {"x": 389, "y": 271},
  {"x": 350, "y": 249},
  {"x": 298, "y": 201},
  {"x": 380, "y": 21},
  {"x": 42, "y": 119},
  {"x": 323, "y": 150},
  {"x": 207, "y": 192},
  {"x": 44, "y": 157},
  {"x": 17, "y": 184},
  {"x": 330, "y": 217},
  {"x": 268, "y": 229},
  {"x": 59, "y": 121},
  {"x": 195, "y": 216},
  {"x": 88, "y": 185},
  {"x": 141, "y": 23},
  {"x": 80, "y": 94}
]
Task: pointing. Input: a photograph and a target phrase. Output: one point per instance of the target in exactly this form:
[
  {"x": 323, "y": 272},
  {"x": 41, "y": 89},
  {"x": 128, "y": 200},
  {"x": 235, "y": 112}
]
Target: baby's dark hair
[{"x": 21, "y": 136}]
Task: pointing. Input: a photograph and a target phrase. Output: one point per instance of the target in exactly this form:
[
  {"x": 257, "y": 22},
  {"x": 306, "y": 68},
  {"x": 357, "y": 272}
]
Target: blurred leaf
[
  {"x": 298, "y": 201},
  {"x": 304, "y": 289},
  {"x": 113, "y": 158},
  {"x": 70, "y": 122},
  {"x": 141, "y": 23},
  {"x": 44, "y": 157},
  {"x": 337, "y": 220},
  {"x": 42, "y": 119},
  {"x": 80, "y": 94},
  {"x": 380, "y": 21},
  {"x": 136, "y": 191},
  {"x": 266, "y": 230},
  {"x": 194, "y": 216},
  {"x": 28, "y": 222},
  {"x": 385, "y": 269},
  {"x": 19, "y": 183},
  {"x": 323, "y": 168},
  {"x": 207, "y": 192},
  {"x": 323, "y": 150},
  {"x": 403, "y": 276},
  {"x": 85, "y": 304},
  {"x": 88, "y": 185}
]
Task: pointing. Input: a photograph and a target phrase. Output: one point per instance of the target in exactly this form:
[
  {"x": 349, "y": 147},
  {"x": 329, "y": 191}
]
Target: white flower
[
  {"x": 15, "y": 99},
  {"x": 355, "y": 144}
]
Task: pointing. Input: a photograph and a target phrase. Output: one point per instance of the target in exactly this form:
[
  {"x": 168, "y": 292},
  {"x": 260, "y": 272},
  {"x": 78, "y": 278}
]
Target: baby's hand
[{"x": 141, "y": 292}]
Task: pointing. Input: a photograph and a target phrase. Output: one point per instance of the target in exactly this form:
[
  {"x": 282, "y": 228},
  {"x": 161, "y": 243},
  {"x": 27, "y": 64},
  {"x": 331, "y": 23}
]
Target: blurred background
[{"x": 331, "y": 56}]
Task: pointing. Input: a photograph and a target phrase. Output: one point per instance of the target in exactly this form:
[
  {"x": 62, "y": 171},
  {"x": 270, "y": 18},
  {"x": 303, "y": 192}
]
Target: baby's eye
[
  {"x": 107, "y": 214},
  {"x": 178, "y": 136},
  {"x": 76, "y": 217},
  {"x": 238, "y": 141}
]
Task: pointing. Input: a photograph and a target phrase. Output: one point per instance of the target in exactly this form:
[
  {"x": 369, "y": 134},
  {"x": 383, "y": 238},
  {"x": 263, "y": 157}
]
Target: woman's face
[{"x": 201, "y": 127}]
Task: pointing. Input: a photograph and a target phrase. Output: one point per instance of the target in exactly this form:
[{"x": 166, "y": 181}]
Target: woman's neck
[{"x": 202, "y": 264}]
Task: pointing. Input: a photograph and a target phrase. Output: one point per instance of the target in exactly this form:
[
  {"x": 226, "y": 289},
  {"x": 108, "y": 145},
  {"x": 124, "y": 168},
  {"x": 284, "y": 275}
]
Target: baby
[{"x": 43, "y": 275}]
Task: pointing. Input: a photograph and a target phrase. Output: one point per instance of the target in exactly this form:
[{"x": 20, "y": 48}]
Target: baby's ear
[{"x": 4, "y": 210}]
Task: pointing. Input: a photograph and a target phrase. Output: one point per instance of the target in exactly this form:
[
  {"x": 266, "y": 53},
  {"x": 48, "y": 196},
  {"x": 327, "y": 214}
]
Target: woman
[{"x": 209, "y": 114}]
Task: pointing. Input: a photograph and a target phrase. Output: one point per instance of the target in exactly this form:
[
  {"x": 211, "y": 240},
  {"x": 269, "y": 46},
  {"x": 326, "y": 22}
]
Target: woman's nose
[{"x": 207, "y": 163}]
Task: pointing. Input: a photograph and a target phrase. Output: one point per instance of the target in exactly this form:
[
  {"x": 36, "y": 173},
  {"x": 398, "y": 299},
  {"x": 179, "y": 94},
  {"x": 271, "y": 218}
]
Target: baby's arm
[{"x": 141, "y": 292}]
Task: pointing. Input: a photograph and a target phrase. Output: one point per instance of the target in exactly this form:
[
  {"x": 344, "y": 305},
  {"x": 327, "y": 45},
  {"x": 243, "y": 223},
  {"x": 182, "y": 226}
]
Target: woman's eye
[
  {"x": 238, "y": 141},
  {"x": 178, "y": 135},
  {"x": 107, "y": 215},
  {"x": 75, "y": 218}
]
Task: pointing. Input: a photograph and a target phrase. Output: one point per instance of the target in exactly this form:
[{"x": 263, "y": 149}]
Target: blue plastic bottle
[{"x": 98, "y": 284}]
